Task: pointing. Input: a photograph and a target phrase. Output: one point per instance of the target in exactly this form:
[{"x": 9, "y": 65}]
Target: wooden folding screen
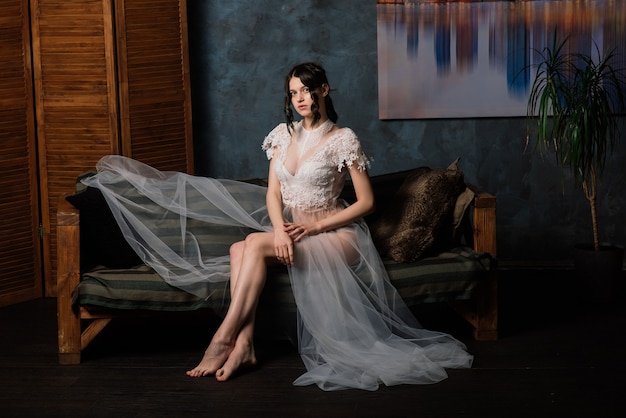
[
  {"x": 110, "y": 77},
  {"x": 20, "y": 272}
]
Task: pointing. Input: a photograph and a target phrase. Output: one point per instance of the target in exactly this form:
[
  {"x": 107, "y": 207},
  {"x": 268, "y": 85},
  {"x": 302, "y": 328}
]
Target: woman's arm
[
  {"x": 283, "y": 243},
  {"x": 274, "y": 199}
]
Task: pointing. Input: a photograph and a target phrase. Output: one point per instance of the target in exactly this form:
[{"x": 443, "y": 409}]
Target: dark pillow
[
  {"x": 101, "y": 240},
  {"x": 419, "y": 219}
]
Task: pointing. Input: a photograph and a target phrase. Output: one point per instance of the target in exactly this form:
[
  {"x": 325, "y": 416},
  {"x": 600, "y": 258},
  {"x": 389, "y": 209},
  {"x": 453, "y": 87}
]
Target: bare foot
[
  {"x": 241, "y": 357},
  {"x": 214, "y": 357}
]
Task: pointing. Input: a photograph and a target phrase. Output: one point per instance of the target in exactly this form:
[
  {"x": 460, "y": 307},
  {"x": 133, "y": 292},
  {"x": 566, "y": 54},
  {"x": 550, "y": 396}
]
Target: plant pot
[{"x": 599, "y": 272}]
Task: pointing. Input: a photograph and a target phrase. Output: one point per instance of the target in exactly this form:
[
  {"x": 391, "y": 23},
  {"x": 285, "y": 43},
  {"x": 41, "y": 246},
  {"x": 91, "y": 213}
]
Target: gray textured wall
[{"x": 240, "y": 51}]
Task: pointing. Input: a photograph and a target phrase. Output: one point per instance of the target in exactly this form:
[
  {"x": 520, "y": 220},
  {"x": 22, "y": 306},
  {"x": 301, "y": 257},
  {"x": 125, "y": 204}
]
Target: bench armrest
[
  {"x": 68, "y": 277},
  {"x": 484, "y": 221}
]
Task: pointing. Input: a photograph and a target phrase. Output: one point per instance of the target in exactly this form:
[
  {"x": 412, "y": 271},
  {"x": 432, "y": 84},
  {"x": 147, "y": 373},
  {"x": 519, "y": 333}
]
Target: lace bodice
[{"x": 320, "y": 176}]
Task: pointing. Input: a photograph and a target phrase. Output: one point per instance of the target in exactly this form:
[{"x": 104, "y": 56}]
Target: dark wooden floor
[{"x": 557, "y": 357}]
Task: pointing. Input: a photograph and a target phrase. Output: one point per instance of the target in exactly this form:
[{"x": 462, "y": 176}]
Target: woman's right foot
[{"x": 241, "y": 357}]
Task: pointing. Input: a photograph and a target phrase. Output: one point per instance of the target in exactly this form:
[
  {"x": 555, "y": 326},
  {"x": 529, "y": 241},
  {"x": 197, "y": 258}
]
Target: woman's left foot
[{"x": 214, "y": 358}]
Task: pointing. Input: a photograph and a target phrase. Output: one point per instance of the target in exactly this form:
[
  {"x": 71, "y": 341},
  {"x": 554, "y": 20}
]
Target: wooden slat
[
  {"x": 77, "y": 111},
  {"x": 92, "y": 330},
  {"x": 155, "y": 98},
  {"x": 20, "y": 274}
]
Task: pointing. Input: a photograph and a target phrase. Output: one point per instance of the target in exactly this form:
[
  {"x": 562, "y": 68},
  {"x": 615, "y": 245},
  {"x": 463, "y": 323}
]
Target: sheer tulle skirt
[{"x": 354, "y": 331}]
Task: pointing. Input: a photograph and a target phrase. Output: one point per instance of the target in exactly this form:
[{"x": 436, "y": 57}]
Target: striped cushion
[
  {"x": 450, "y": 275},
  {"x": 138, "y": 288}
]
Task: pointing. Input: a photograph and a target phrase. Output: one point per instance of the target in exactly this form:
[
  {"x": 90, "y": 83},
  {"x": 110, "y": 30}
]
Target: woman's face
[{"x": 301, "y": 98}]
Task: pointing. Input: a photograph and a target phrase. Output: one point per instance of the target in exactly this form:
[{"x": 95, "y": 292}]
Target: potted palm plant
[{"x": 572, "y": 105}]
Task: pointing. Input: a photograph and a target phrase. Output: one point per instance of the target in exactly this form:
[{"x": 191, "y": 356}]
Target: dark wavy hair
[{"x": 313, "y": 76}]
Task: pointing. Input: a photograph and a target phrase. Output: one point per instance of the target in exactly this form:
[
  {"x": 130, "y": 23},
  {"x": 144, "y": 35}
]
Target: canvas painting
[{"x": 469, "y": 59}]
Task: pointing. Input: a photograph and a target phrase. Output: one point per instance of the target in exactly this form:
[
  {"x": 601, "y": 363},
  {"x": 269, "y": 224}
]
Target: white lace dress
[{"x": 354, "y": 331}]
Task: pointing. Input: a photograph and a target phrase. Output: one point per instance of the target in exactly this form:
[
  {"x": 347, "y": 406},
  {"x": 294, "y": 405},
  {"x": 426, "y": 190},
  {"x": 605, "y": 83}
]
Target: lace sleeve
[
  {"x": 276, "y": 138},
  {"x": 347, "y": 151}
]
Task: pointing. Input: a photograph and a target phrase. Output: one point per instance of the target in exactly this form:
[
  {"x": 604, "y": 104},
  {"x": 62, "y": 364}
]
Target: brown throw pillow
[{"x": 420, "y": 216}]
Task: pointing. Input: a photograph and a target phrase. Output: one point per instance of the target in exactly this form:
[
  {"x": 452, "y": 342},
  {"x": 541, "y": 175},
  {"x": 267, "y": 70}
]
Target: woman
[{"x": 354, "y": 330}]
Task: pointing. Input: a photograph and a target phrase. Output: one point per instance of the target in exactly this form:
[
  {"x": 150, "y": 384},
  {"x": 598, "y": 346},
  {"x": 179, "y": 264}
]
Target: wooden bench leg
[
  {"x": 486, "y": 327},
  {"x": 68, "y": 328},
  {"x": 482, "y": 312},
  {"x": 68, "y": 277}
]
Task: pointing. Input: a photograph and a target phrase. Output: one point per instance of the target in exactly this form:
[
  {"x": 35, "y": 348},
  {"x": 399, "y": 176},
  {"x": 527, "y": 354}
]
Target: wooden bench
[{"x": 78, "y": 326}]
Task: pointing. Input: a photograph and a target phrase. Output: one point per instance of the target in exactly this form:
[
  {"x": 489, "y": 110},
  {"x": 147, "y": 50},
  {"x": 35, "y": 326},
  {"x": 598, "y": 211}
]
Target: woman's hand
[
  {"x": 283, "y": 247},
  {"x": 298, "y": 231}
]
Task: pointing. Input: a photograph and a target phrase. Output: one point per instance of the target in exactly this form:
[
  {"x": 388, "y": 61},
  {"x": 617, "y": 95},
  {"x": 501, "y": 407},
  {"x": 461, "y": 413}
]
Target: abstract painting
[{"x": 472, "y": 59}]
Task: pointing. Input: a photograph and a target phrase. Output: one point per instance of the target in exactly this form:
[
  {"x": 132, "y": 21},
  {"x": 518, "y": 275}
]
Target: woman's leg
[
  {"x": 233, "y": 339},
  {"x": 243, "y": 354},
  {"x": 236, "y": 257}
]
